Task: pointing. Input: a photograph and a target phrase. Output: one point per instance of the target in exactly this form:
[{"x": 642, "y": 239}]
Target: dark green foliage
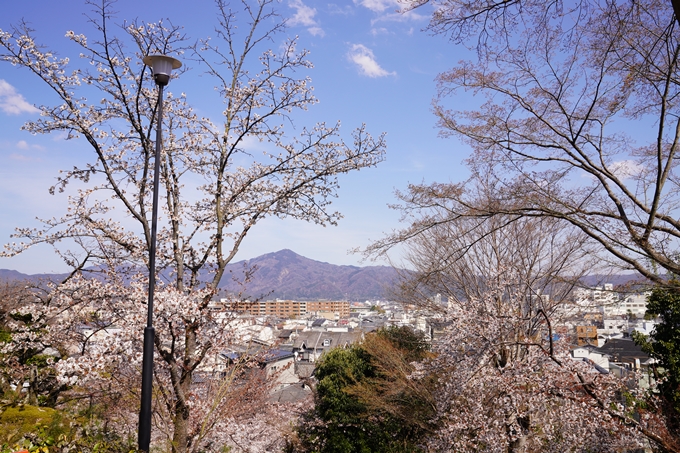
[
  {"x": 40, "y": 360},
  {"x": 412, "y": 342},
  {"x": 341, "y": 368},
  {"x": 361, "y": 398},
  {"x": 345, "y": 428},
  {"x": 26, "y": 318},
  {"x": 664, "y": 342},
  {"x": 5, "y": 336}
]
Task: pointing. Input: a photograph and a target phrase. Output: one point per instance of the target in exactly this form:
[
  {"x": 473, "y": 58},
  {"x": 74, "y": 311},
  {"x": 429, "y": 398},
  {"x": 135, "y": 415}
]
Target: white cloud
[
  {"x": 406, "y": 16},
  {"x": 12, "y": 102},
  {"x": 622, "y": 169},
  {"x": 316, "y": 31},
  {"x": 363, "y": 57},
  {"x": 379, "y": 31},
  {"x": 23, "y": 145},
  {"x": 625, "y": 169},
  {"x": 379, "y": 6},
  {"x": 22, "y": 158},
  {"x": 391, "y": 11},
  {"x": 59, "y": 136},
  {"x": 345, "y": 10},
  {"x": 304, "y": 15}
]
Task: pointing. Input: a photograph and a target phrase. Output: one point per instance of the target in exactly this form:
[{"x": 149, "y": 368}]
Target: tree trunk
[
  {"x": 181, "y": 416},
  {"x": 519, "y": 444},
  {"x": 32, "y": 397},
  {"x": 676, "y": 9}
]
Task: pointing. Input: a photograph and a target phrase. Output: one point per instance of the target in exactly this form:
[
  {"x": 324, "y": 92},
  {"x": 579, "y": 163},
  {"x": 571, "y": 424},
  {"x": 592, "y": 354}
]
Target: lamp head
[{"x": 162, "y": 67}]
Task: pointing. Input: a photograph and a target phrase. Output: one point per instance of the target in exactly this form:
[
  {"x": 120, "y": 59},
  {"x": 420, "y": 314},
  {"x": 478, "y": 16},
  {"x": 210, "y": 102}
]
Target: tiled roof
[
  {"x": 622, "y": 350},
  {"x": 315, "y": 339}
]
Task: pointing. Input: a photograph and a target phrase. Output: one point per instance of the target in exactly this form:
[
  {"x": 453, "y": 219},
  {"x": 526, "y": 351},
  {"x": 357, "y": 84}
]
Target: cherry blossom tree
[
  {"x": 577, "y": 118},
  {"x": 24, "y": 356},
  {"x": 505, "y": 380},
  {"x": 214, "y": 187},
  {"x": 457, "y": 256},
  {"x": 503, "y": 390},
  {"x": 564, "y": 91},
  {"x": 95, "y": 324}
]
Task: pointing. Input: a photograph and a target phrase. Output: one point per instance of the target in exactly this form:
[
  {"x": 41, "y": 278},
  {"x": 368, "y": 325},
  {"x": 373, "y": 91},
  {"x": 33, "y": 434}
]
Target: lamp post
[{"x": 162, "y": 67}]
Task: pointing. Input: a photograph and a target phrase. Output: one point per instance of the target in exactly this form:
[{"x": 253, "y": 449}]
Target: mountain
[
  {"x": 285, "y": 275},
  {"x": 7, "y": 275}
]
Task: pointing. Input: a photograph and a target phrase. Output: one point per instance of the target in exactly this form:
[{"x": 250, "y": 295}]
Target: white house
[{"x": 592, "y": 354}]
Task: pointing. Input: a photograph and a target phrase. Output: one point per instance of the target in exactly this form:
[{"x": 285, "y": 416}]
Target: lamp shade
[{"x": 162, "y": 67}]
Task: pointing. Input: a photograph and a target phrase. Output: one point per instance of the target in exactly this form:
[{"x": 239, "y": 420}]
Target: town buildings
[{"x": 290, "y": 308}]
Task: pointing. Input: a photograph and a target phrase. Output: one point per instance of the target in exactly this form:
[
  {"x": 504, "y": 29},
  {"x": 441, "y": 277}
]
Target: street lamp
[{"x": 162, "y": 67}]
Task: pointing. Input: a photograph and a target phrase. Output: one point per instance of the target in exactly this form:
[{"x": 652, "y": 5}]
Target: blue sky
[{"x": 373, "y": 65}]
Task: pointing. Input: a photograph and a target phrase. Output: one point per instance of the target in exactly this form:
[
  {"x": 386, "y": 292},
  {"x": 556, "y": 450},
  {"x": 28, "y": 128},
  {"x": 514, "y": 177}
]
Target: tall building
[
  {"x": 334, "y": 306},
  {"x": 288, "y": 308}
]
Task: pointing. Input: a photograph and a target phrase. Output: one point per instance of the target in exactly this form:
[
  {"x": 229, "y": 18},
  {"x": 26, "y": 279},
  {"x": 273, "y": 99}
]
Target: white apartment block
[{"x": 635, "y": 304}]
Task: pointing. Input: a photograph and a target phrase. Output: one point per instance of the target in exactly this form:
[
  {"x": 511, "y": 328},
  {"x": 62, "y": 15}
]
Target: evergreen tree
[
  {"x": 663, "y": 345},
  {"x": 365, "y": 399}
]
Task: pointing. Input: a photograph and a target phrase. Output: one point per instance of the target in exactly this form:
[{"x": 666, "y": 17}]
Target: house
[
  {"x": 93, "y": 334},
  {"x": 278, "y": 363},
  {"x": 372, "y": 323},
  {"x": 625, "y": 353},
  {"x": 293, "y": 393},
  {"x": 645, "y": 326},
  {"x": 319, "y": 323},
  {"x": 603, "y": 297},
  {"x": 591, "y": 354},
  {"x": 635, "y": 304},
  {"x": 310, "y": 345},
  {"x": 436, "y": 329},
  {"x": 620, "y": 357},
  {"x": 586, "y": 335},
  {"x": 285, "y": 337},
  {"x": 289, "y": 308}
]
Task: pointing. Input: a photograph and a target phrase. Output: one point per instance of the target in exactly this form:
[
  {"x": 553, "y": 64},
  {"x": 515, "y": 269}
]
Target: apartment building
[{"x": 289, "y": 308}]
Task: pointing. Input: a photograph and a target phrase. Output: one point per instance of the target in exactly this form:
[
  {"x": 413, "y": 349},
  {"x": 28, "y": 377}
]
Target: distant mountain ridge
[
  {"x": 8, "y": 275},
  {"x": 286, "y": 275}
]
